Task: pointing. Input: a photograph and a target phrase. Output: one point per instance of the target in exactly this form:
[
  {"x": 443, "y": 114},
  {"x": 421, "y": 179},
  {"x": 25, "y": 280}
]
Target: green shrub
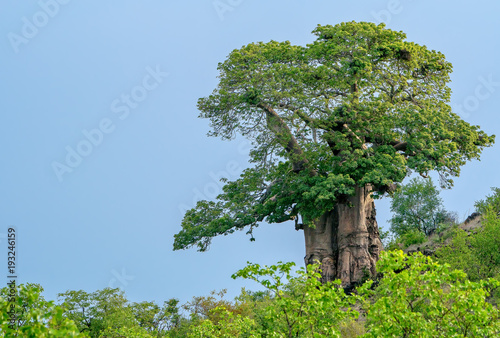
[
  {"x": 477, "y": 254},
  {"x": 413, "y": 236},
  {"x": 302, "y": 307},
  {"x": 418, "y": 297}
]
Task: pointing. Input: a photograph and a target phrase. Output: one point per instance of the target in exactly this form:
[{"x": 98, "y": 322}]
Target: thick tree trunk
[{"x": 346, "y": 240}]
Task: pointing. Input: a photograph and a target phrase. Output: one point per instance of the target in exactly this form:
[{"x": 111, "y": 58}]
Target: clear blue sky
[{"x": 118, "y": 81}]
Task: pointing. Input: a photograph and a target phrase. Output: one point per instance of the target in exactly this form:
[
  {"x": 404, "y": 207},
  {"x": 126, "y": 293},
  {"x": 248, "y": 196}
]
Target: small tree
[
  {"x": 155, "y": 319},
  {"x": 417, "y": 206},
  {"x": 104, "y": 312},
  {"x": 490, "y": 202}
]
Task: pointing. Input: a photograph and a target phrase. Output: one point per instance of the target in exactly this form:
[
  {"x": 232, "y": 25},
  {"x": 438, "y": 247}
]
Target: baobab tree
[{"x": 333, "y": 125}]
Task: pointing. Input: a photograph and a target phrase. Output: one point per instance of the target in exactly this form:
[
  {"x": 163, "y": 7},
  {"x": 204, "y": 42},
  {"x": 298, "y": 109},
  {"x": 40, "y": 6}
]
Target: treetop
[{"x": 358, "y": 106}]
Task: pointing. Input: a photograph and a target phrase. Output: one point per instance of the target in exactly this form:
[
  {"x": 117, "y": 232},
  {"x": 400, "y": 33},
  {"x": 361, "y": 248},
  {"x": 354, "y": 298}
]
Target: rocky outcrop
[{"x": 438, "y": 240}]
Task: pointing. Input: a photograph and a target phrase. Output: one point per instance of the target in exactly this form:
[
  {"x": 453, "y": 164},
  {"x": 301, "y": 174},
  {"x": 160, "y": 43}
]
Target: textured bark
[{"x": 346, "y": 240}]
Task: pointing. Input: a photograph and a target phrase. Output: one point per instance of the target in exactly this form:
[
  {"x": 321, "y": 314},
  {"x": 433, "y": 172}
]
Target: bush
[
  {"x": 415, "y": 297},
  {"x": 413, "y": 236},
  {"x": 477, "y": 254},
  {"x": 302, "y": 307},
  {"x": 418, "y": 297}
]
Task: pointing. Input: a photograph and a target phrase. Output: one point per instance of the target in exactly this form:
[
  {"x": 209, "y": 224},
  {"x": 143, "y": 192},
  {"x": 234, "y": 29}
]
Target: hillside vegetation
[{"x": 446, "y": 283}]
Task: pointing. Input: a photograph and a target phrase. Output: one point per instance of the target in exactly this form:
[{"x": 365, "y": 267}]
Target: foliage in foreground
[
  {"x": 417, "y": 297},
  {"x": 303, "y": 307},
  {"x": 33, "y": 315},
  {"x": 414, "y": 297}
]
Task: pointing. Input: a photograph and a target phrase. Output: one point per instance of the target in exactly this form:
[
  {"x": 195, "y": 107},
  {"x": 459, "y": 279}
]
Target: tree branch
[
  {"x": 400, "y": 145},
  {"x": 309, "y": 121},
  {"x": 363, "y": 145},
  {"x": 280, "y": 129}
]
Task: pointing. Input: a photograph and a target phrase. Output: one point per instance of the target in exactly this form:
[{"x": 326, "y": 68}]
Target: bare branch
[{"x": 363, "y": 145}]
